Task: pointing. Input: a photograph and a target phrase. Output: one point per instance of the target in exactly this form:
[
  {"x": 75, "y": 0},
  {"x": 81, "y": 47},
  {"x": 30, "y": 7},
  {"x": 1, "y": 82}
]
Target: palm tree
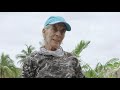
[
  {"x": 25, "y": 53},
  {"x": 108, "y": 70},
  {"x": 79, "y": 48},
  {"x": 7, "y": 67},
  {"x": 111, "y": 67}
]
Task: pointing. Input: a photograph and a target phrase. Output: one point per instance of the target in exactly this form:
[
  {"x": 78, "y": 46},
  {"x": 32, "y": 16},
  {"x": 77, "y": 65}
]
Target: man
[{"x": 51, "y": 61}]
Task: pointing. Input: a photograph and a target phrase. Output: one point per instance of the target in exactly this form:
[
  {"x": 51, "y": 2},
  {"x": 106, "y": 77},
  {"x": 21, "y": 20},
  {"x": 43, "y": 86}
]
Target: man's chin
[{"x": 55, "y": 47}]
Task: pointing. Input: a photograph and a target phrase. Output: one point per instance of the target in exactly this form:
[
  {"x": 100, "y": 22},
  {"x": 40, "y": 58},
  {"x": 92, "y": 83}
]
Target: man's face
[{"x": 55, "y": 35}]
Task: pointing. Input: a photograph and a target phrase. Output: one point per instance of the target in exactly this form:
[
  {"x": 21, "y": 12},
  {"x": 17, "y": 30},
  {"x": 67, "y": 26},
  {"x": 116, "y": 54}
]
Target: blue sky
[{"x": 101, "y": 28}]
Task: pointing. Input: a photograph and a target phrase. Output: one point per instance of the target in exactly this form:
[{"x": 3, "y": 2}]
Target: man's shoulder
[
  {"x": 32, "y": 56},
  {"x": 69, "y": 54}
]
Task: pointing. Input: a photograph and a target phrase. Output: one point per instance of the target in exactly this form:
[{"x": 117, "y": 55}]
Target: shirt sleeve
[
  {"x": 78, "y": 69},
  {"x": 78, "y": 72},
  {"x": 29, "y": 68}
]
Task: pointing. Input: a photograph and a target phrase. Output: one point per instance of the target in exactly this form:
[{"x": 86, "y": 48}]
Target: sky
[{"x": 102, "y": 29}]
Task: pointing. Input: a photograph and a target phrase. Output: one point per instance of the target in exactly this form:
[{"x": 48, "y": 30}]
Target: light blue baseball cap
[{"x": 57, "y": 19}]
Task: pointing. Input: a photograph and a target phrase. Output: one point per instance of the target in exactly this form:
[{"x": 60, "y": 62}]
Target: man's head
[{"x": 54, "y": 32}]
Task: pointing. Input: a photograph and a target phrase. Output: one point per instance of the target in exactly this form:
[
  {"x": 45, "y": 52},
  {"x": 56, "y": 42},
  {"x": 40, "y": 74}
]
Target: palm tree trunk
[{"x": 1, "y": 72}]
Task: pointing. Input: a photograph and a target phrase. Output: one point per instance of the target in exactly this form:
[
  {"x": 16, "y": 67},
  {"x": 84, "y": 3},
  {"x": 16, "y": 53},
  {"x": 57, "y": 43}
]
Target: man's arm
[
  {"x": 78, "y": 69},
  {"x": 29, "y": 68}
]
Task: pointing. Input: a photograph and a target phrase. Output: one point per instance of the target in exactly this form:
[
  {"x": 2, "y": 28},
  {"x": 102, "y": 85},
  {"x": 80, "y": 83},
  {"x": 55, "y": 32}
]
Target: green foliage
[
  {"x": 79, "y": 48},
  {"x": 24, "y": 54},
  {"x": 7, "y": 67},
  {"x": 102, "y": 71}
]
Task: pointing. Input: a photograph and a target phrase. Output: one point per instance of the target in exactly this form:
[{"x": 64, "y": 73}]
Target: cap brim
[{"x": 66, "y": 24}]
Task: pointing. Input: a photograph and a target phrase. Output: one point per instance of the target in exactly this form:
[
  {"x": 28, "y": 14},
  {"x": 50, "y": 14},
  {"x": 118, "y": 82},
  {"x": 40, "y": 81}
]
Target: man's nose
[{"x": 58, "y": 33}]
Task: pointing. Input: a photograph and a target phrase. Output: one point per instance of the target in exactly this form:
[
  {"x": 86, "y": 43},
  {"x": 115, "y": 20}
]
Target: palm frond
[
  {"x": 7, "y": 67},
  {"x": 79, "y": 48},
  {"x": 20, "y": 56},
  {"x": 24, "y": 53}
]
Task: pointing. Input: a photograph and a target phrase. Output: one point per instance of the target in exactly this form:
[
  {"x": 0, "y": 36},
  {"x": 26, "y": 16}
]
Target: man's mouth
[{"x": 56, "y": 40}]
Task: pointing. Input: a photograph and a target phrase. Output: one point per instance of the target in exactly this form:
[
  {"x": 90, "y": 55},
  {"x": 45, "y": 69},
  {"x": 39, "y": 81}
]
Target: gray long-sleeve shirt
[{"x": 38, "y": 65}]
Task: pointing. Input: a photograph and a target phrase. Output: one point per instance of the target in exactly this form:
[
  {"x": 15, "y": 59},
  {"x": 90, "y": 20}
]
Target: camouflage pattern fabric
[{"x": 40, "y": 65}]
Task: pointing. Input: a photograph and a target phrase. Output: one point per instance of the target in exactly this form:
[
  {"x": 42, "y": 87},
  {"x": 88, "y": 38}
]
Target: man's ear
[{"x": 43, "y": 31}]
